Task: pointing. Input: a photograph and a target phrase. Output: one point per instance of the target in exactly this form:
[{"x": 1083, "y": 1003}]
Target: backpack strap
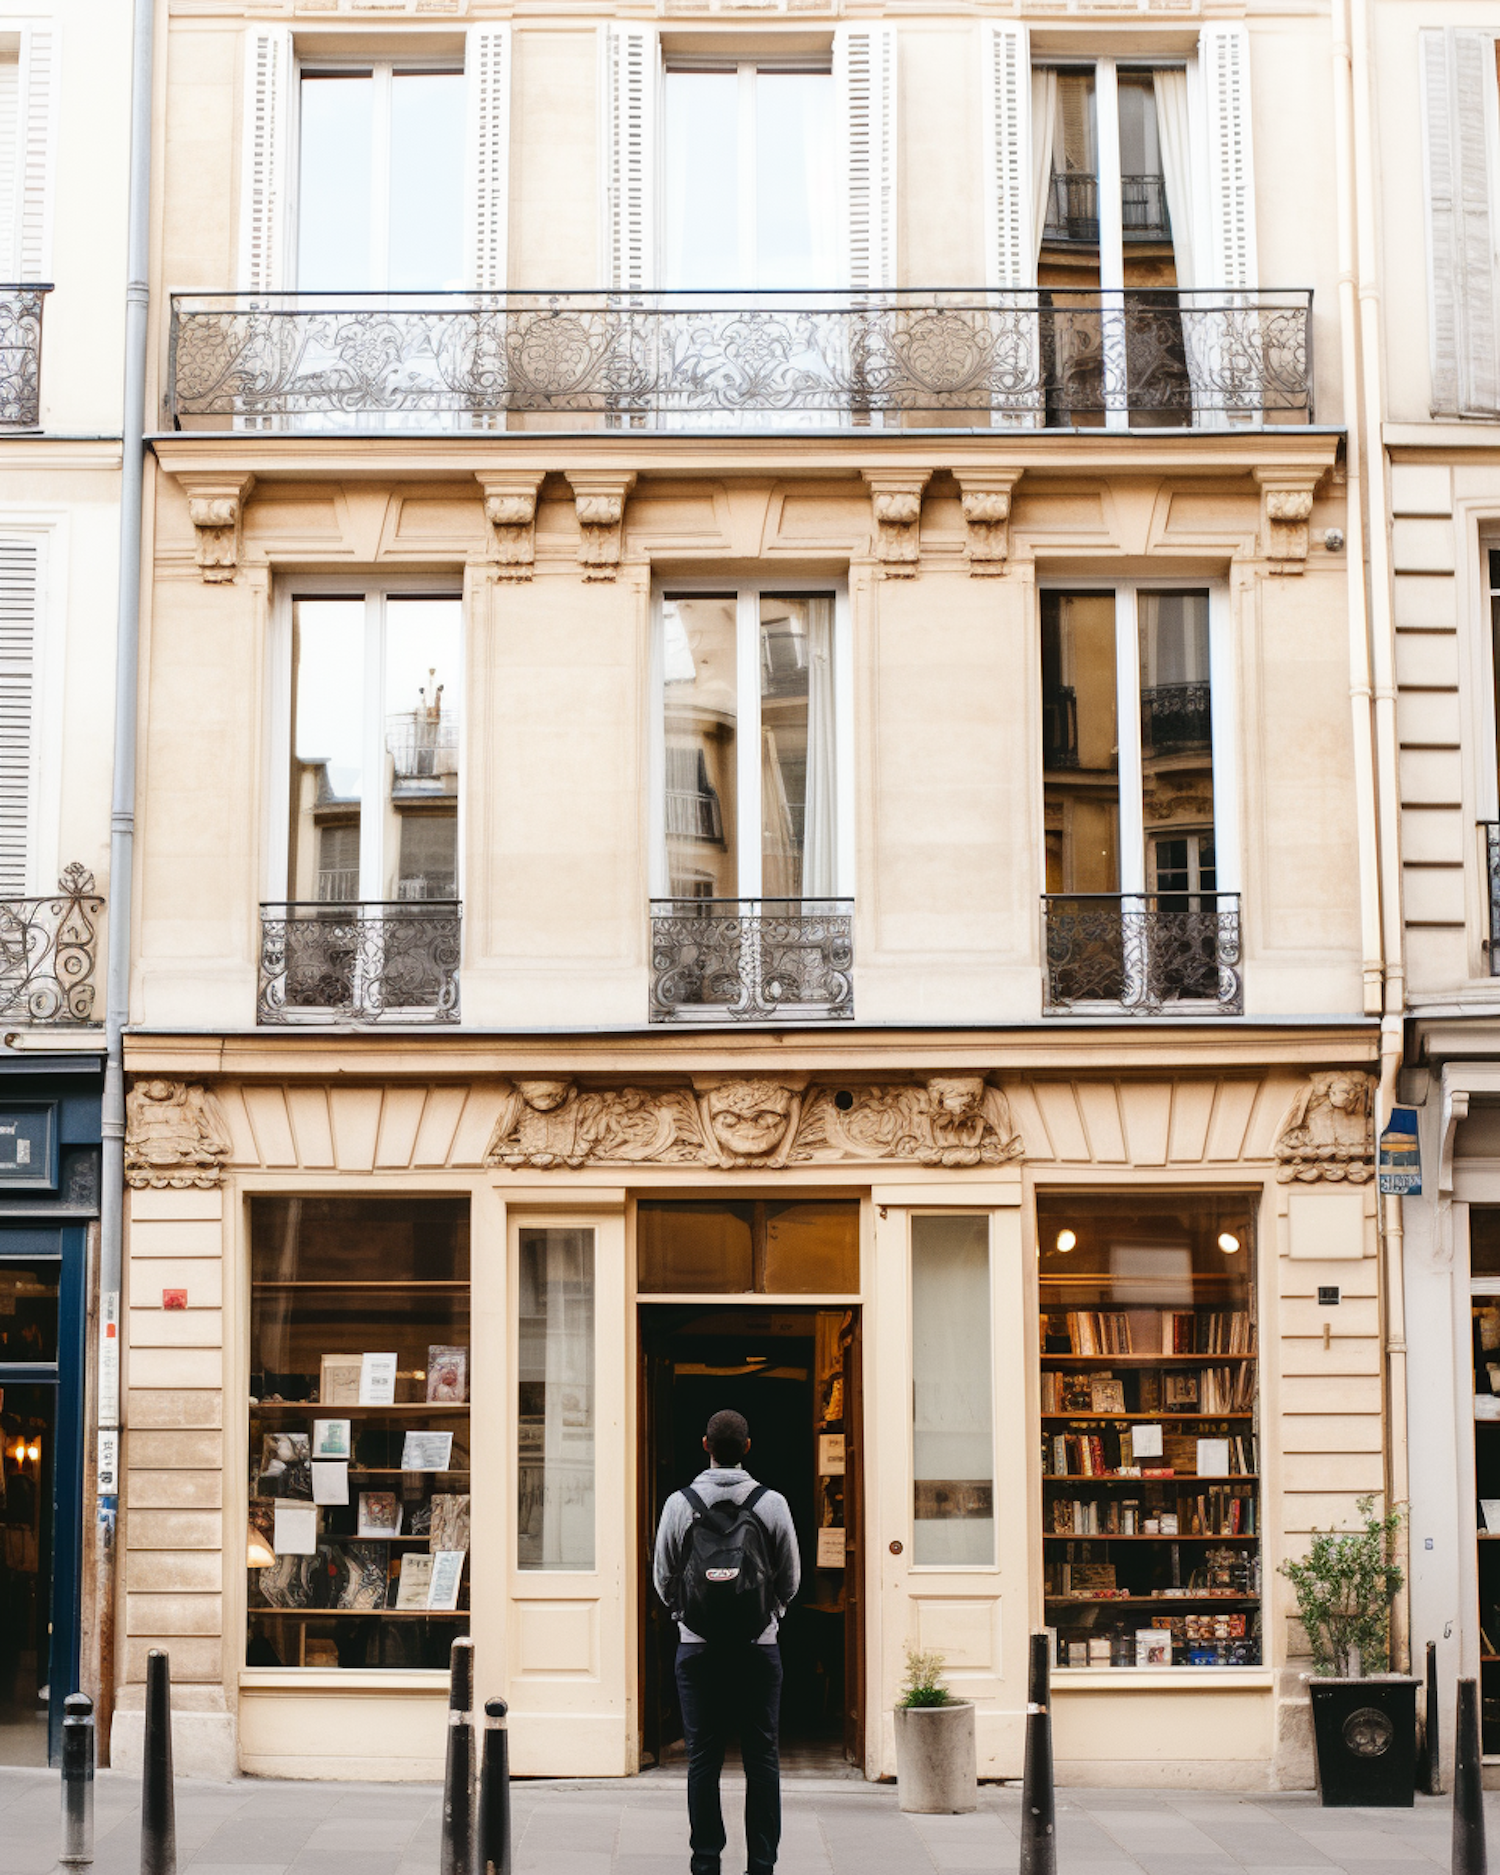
[
  {"x": 750, "y": 1502},
  {"x": 694, "y": 1503}
]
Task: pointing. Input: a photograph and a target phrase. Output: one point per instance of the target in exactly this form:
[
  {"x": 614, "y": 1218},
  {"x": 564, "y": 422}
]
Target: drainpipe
[{"x": 122, "y": 806}]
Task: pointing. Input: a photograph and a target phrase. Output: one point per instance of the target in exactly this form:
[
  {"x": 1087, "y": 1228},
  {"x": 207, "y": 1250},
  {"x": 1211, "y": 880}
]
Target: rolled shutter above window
[
  {"x": 631, "y": 85},
  {"x": 487, "y": 212},
  {"x": 1455, "y": 91},
  {"x": 266, "y": 181},
  {"x": 864, "y": 71}
]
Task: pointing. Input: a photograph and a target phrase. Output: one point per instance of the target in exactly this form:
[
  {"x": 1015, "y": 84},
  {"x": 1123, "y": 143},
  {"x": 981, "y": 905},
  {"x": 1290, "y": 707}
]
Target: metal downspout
[{"x": 122, "y": 805}]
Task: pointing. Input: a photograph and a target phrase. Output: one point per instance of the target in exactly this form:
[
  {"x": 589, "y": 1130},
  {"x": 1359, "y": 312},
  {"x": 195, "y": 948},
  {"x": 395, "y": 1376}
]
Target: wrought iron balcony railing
[
  {"x": 21, "y": 356},
  {"x": 369, "y": 962},
  {"x": 1491, "y": 830},
  {"x": 752, "y": 960},
  {"x": 1009, "y": 359},
  {"x": 48, "y": 953},
  {"x": 1176, "y": 719},
  {"x": 1059, "y": 726},
  {"x": 1144, "y": 953},
  {"x": 1073, "y": 208}
]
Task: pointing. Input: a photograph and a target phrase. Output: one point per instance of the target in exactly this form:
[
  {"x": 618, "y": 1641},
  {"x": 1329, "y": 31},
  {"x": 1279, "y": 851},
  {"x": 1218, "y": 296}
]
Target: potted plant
[
  {"x": 1364, "y": 1717},
  {"x": 936, "y": 1769}
]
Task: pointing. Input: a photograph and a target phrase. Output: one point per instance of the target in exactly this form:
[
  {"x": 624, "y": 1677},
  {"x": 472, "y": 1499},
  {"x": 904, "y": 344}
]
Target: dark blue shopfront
[{"x": 49, "y": 1209}]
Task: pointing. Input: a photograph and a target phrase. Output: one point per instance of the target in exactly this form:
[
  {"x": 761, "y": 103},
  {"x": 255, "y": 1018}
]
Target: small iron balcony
[
  {"x": 752, "y": 960},
  {"x": 356, "y": 963},
  {"x": 1176, "y": 719},
  {"x": 1491, "y": 829},
  {"x": 21, "y": 356},
  {"x": 48, "y": 953},
  {"x": 1073, "y": 208},
  {"x": 1142, "y": 953},
  {"x": 1022, "y": 359}
]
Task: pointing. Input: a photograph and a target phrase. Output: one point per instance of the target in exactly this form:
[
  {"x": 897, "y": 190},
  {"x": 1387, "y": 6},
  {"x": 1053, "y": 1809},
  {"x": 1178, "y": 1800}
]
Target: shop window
[
  {"x": 953, "y": 1395},
  {"x": 1484, "y": 1309},
  {"x": 808, "y": 1247},
  {"x": 358, "y": 1527},
  {"x": 556, "y": 1400},
  {"x": 1150, "y": 1470}
]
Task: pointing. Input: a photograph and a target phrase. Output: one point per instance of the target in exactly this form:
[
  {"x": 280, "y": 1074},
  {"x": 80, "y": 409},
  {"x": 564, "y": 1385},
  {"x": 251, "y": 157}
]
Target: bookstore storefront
[{"x": 410, "y": 1359}]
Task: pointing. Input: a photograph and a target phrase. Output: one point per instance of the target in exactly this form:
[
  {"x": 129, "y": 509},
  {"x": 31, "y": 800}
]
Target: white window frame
[
  {"x": 1224, "y": 717},
  {"x": 383, "y": 71},
  {"x": 747, "y": 723},
  {"x": 374, "y": 594}
]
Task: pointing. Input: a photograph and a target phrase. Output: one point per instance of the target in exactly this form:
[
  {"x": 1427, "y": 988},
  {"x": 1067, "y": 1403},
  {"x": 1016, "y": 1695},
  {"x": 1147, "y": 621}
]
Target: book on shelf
[{"x": 1149, "y": 1331}]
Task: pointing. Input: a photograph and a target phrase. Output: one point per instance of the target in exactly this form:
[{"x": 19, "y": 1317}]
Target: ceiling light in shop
[
  {"x": 1066, "y": 1240},
  {"x": 1228, "y": 1242}
]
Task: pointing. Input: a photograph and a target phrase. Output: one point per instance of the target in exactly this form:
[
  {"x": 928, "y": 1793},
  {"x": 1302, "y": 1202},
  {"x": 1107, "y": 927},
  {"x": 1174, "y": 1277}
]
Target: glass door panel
[
  {"x": 701, "y": 684},
  {"x": 1080, "y": 738},
  {"x": 425, "y": 236},
  {"x": 336, "y": 184},
  {"x": 327, "y": 741}
]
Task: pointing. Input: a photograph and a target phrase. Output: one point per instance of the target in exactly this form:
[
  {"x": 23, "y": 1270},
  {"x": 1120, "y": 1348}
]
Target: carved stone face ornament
[
  {"x": 174, "y": 1136},
  {"x": 1328, "y": 1132},
  {"x": 749, "y": 1119}
]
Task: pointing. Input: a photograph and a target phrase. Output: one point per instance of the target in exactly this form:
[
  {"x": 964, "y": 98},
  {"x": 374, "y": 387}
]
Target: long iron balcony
[
  {"x": 359, "y": 962},
  {"x": 48, "y": 951},
  {"x": 752, "y": 960},
  {"x": 1143, "y": 953},
  {"x": 21, "y": 356},
  {"x": 1018, "y": 359}
]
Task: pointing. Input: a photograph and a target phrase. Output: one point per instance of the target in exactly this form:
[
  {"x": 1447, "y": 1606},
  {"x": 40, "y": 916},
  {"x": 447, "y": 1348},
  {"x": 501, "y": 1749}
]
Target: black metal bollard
[
  {"x": 77, "y": 1781},
  {"x": 1038, "y": 1805},
  {"x": 1431, "y": 1779},
  {"x": 1468, "y": 1798},
  {"x": 493, "y": 1857},
  {"x": 456, "y": 1854},
  {"x": 158, "y": 1810}
]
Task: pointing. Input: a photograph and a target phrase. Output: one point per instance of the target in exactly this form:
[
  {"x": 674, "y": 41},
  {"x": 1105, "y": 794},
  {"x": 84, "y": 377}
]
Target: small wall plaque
[
  {"x": 28, "y": 1146},
  {"x": 1328, "y": 1295},
  {"x": 174, "y": 1298}
]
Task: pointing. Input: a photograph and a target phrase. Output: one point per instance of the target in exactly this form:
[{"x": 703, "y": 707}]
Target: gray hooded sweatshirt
[{"x": 731, "y": 1481}]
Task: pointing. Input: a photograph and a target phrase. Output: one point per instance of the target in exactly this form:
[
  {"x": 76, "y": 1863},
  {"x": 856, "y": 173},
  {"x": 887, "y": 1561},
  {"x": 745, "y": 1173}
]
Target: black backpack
[{"x": 725, "y": 1586}]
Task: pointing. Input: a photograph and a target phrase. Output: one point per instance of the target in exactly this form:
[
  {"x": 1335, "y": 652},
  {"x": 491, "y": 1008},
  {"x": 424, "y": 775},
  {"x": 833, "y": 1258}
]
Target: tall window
[
  {"x": 750, "y": 745},
  {"x": 380, "y": 187},
  {"x": 376, "y": 683},
  {"x": 750, "y": 177},
  {"x": 953, "y": 1400},
  {"x": 555, "y": 1400}
]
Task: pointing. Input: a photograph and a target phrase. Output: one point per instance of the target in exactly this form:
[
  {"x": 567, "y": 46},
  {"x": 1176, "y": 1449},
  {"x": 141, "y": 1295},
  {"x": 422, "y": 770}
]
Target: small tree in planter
[
  {"x": 936, "y": 1770},
  {"x": 1364, "y": 1718}
]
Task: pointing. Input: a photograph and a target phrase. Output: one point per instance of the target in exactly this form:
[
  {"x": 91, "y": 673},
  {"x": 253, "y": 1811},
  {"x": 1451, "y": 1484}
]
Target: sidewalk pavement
[{"x": 638, "y": 1826}]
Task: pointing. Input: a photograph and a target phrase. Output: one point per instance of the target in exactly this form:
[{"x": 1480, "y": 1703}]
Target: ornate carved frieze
[
  {"x": 896, "y": 504},
  {"x": 175, "y": 1136},
  {"x": 985, "y": 498},
  {"x": 1286, "y": 503},
  {"x": 510, "y": 509},
  {"x": 1329, "y": 1132},
  {"x": 733, "y": 1122},
  {"x": 216, "y": 506},
  {"x": 599, "y": 503}
]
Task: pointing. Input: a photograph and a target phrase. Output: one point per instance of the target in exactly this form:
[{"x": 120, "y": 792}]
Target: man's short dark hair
[{"x": 728, "y": 1437}]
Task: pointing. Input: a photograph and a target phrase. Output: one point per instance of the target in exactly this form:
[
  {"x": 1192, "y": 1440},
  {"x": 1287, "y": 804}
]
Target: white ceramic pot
[{"x": 936, "y": 1768}]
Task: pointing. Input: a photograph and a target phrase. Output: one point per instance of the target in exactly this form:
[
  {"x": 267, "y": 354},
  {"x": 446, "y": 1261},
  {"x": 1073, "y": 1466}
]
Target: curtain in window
[
  {"x": 1043, "y": 130},
  {"x": 1175, "y": 145},
  {"x": 820, "y": 837}
]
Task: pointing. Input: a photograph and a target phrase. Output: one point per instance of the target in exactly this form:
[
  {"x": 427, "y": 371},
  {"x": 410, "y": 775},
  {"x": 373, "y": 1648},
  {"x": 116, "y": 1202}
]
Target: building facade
[
  {"x": 63, "y": 130},
  {"x": 748, "y": 795}
]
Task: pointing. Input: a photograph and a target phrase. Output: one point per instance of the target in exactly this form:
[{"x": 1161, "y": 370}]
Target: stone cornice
[{"x": 1299, "y": 452}]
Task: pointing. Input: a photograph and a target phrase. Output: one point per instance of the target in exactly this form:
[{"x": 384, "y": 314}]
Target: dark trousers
[{"x": 723, "y": 1690}]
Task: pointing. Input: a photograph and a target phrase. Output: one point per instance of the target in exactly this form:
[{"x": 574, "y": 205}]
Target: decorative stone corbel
[
  {"x": 1286, "y": 500},
  {"x": 599, "y": 502},
  {"x": 985, "y": 497},
  {"x": 216, "y": 505},
  {"x": 510, "y": 509},
  {"x": 896, "y": 503}
]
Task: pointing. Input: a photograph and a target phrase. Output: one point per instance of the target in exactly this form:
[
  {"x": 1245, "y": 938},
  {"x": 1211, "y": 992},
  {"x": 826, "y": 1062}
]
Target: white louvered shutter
[
  {"x": 1462, "y": 308},
  {"x": 631, "y": 92},
  {"x": 36, "y": 126},
  {"x": 266, "y": 181},
  {"x": 1010, "y": 244},
  {"x": 10, "y": 167},
  {"x": 864, "y": 73},
  {"x": 1224, "y": 58},
  {"x": 18, "y": 604},
  {"x": 487, "y": 170}
]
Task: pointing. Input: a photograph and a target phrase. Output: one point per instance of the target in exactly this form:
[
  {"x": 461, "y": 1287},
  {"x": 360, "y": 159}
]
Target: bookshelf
[
  {"x": 1150, "y": 1463},
  {"x": 334, "y": 1281},
  {"x": 1484, "y": 1330}
]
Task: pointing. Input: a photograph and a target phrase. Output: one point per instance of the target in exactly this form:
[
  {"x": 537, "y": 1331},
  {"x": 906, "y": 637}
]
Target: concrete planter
[{"x": 936, "y": 1768}]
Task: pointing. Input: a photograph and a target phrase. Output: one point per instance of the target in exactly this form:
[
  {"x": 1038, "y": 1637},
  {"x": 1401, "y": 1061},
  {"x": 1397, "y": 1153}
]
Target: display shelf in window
[
  {"x": 357, "y": 1530},
  {"x": 1484, "y": 1335},
  {"x": 1150, "y": 1461}
]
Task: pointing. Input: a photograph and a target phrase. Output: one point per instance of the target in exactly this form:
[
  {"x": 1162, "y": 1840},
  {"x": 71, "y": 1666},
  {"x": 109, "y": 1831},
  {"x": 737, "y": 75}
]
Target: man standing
[{"x": 726, "y": 1567}]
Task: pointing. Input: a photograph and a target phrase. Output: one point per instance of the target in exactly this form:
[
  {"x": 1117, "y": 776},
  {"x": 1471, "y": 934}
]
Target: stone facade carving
[
  {"x": 1286, "y": 502},
  {"x": 175, "y": 1136},
  {"x": 216, "y": 506},
  {"x": 510, "y": 509},
  {"x": 1329, "y": 1132},
  {"x": 985, "y": 499},
  {"x": 740, "y": 1122},
  {"x": 896, "y": 503},
  {"x": 599, "y": 503}
]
